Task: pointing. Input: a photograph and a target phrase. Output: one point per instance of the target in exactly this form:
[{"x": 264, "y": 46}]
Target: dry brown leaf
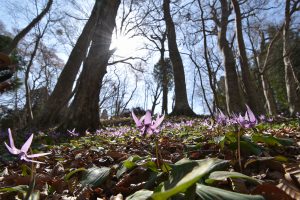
[
  {"x": 292, "y": 173},
  {"x": 271, "y": 192},
  {"x": 289, "y": 189}
]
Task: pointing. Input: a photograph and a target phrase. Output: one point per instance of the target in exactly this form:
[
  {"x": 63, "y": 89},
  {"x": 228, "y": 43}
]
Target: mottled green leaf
[
  {"x": 223, "y": 175},
  {"x": 95, "y": 176},
  {"x": 187, "y": 172},
  {"x": 213, "y": 193},
  {"x": 140, "y": 195},
  {"x": 271, "y": 140}
]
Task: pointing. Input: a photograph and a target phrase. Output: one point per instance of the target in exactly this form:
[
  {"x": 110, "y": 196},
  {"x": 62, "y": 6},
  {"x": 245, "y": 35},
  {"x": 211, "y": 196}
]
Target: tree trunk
[
  {"x": 292, "y": 88},
  {"x": 28, "y": 105},
  {"x": 267, "y": 90},
  {"x": 164, "y": 82},
  {"x": 250, "y": 87},
  {"x": 27, "y": 29},
  {"x": 83, "y": 113},
  {"x": 181, "y": 102},
  {"x": 155, "y": 98},
  {"x": 62, "y": 92},
  {"x": 270, "y": 101},
  {"x": 234, "y": 102}
]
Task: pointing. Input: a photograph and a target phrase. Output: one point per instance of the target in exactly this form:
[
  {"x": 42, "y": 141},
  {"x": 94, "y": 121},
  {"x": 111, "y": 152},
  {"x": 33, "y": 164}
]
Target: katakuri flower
[
  {"x": 22, "y": 153},
  {"x": 146, "y": 125},
  {"x": 248, "y": 121},
  {"x": 221, "y": 118}
]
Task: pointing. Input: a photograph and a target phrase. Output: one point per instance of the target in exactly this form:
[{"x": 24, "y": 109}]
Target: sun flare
[{"x": 123, "y": 45}]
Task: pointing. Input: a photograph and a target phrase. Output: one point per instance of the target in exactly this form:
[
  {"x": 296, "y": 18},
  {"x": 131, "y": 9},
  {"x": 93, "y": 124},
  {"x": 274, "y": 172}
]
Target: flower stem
[{"x": 239, "y": 149}]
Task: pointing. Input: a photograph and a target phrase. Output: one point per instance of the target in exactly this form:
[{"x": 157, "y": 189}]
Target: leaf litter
[{"x": 187, "y": 159}]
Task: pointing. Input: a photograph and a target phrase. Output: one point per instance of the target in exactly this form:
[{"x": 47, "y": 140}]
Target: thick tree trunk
[
  {"x": 62, "y": 92},
  {"x": 234, "y": 102},
  {"x": 181, "y": 102},
  {"x": 250, "y": 87},
  {"x": 27, "y": 29},
  {"x": 83, "y": 113},
  {"x": 292, "y": 88}
]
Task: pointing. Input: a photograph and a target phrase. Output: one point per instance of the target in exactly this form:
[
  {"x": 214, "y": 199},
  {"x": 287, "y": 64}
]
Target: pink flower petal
[
  {"x": 27, "y": 144},
  {"x": 250, "y": 115},
  {"x": 38, "y": 155},
  {"x": 147, "y": 120},
  {"x": 11, "y": 140},
  {"x": 136, "y": 120},
  {"x": 157, "y": 122},
  {"x": 14, "y": 151},
  {"x": 28, "y": 160}
]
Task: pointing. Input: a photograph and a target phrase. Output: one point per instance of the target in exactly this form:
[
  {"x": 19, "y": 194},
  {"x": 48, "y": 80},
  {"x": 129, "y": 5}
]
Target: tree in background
[
  {"x": 164, "y": 76},
  {"x": 59, "y": 98},
  {"x": 14, "y": 43},
  {"x": 8, "y": 66},
  {"x": 181, "y": 106},
  {"x": 250, "y": 86},
  {"x": 234, "y": 101},
  {"x": 83, "y": 112},
  {"x": 291, "y": 80}
]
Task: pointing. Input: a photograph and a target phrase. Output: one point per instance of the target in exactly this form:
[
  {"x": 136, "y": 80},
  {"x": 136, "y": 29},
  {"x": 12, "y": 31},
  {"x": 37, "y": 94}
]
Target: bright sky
[{"x": 126, "y": 47}]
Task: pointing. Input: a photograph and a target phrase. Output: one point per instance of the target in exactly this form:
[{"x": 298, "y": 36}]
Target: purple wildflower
[
  {"x": 73, "y": 133},
  {"x": 221, "y": 118},
  {"x": 146, "y": 125},
  {"x": 22, "y": 153},
  {"x": 248, "y": 121},
  {"x": 263, "y": 118},
  {"x": 208, "y": 123}
]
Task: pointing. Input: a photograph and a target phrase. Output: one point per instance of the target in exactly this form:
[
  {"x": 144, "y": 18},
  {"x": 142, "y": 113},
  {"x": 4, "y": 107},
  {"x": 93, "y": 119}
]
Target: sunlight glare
[{"x": 124, "y": 45}]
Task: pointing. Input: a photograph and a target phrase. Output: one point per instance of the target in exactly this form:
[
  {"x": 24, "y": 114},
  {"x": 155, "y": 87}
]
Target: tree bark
[
  {"x": 62, "y": 92},
  {"x": 165, "y": 90},
  {"x": 83, "y": 113},
  {"x": 267, "y": 90},
  {"x": 291, "y": 82},
  {"x": 234, "y": 102},
  {"x": 27, "y": 29},
  {"x": 181, "y": 102},
  {"x": 250, "y": 87},
  {"x": 155, "y": 98}
]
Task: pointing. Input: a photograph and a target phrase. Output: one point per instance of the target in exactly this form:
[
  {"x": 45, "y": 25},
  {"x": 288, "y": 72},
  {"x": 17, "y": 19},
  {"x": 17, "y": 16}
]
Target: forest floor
[{"x": 188, "y": 159}]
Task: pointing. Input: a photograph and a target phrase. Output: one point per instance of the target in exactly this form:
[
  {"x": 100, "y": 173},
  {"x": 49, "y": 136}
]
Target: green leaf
[
  {"x": 95, "y": 176},
  {"x": 250, "y": 147},
  {"x": 128, "y": 164},
  {"x": 223, "y": 175},
  {"x": 212, "y": 193},
  {"x": 19, "y": 188},
  {"x": 185, "y": 173},
  {"x": 140, "y": 195},
  {"x": 68, "y": 176},
  {"x": 271, "y": 140},
  {"x": 281, "y": 158}
]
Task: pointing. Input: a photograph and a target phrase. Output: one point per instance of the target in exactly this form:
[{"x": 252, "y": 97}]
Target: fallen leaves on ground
[{"x": 118, "y": 163}]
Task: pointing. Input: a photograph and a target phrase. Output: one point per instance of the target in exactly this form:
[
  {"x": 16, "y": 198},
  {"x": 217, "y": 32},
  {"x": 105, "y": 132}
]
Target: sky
[{"x": 17, "y": 13}]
